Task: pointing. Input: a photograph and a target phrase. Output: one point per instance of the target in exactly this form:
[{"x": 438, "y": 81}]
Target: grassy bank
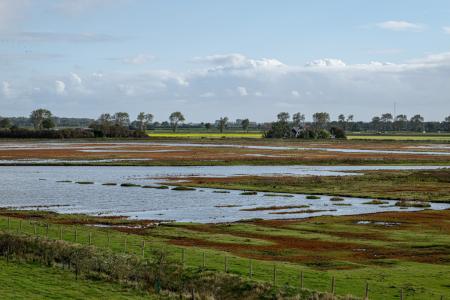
[
  {"x": 423, "y": 185},
  {"x": 390, "y": 251},
  {"x": 21, "y": 280}
]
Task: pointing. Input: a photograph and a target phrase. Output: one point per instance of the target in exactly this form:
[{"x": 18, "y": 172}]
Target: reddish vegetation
[
  {"x": 192, "y": 154},
  {"x": 318, "y": 252}
]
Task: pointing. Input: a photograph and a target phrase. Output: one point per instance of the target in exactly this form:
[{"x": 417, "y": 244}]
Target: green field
[
  {"x": 386, "y": 276},
  {"x": 20, "y": 280}
]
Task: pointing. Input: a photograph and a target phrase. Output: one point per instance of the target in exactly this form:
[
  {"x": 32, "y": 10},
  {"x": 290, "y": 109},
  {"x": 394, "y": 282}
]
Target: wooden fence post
[
  {"x": 125, "y": 244},
  {"x": 250, "y": 271},
  {"x": 20, "y": 226},
  {"x": 366, "y": 294},
  {"x": 333, "y": 285},
  {"x": 182, "y": 256},
  {"x": 108, "y": 238},
  {"x": 204, "y": 260},
  {"x": 226, "y": 264},
  {"x": 301, "y": 280},
  {"x": 143, "y": 248},
  {"x": 46, "y": 229},
  {"x": 401, "y": 294},
  {"x": 35, "y": 229},
  {"x": 90, "y": 238},
  {"x": 76, "y": 234},
  {"x": 9, "y": 223},
  {"x": 274, "y": 275}
]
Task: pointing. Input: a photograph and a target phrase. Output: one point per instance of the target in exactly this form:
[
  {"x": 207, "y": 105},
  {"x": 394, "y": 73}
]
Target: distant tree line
[
  {"x": 323, "y": 127},
  {"x": 119, "y": 125}
]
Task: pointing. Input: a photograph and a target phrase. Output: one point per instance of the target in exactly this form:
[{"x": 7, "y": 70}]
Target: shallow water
[
  {"x": 37, "y": 186},
  {"x": 111, "y": 147},
  {"x": 343, "y": 150}
]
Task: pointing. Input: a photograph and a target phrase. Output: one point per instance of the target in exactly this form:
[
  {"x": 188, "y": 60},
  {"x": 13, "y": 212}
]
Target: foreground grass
[
  {"x": 20, "y": 280},
  {"x": 412, "y": 255},
  {"x": 423, "y": 185}
]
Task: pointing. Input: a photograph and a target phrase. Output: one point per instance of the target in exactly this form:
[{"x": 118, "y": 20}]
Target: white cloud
[
  {"x": 326, "y": 62},
  {"x": 401, "y": 26},
  {"x": 238, "y": 61},
  {"x": 76, "y": 79},
  {"x": 6, "y": 89},
  {"x": 242, "y": 91},
  {"x": 418, "y": 86},
  {"x": 446, "y": 29},
  {"x": 60, "y": 87}
]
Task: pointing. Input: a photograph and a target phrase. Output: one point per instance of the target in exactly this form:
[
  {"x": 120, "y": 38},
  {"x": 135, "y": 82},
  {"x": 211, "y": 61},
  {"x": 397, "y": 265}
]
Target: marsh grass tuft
[
  {"x": 376, "y": 202},
  {"x": 183, "y": 188},
  {"x": 129, "y": 185},
  {"x": 251, "y": 193}
]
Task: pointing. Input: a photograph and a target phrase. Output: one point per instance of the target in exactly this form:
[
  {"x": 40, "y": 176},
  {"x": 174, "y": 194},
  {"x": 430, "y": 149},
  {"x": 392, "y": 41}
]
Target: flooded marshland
[{"x": 83, "y": 190}]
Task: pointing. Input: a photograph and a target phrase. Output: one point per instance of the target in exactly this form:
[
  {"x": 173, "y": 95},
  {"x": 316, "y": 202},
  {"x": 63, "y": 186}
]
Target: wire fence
[{"x": 277, "y": 273}]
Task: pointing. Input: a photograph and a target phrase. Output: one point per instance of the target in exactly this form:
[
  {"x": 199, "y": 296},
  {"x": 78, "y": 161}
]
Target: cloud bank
[{"x": 239, "y": 86}]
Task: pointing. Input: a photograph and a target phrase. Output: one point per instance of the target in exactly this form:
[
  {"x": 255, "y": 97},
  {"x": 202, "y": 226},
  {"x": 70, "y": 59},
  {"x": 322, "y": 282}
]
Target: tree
[
  {"x": 208, "y": 126},
  {"x": 386, "y": 119},
  {"x": 348, "y": 122},
  {"x": 48, "y": 123},
  {"x": 298, "y": 119},
  {"x": 447, "y": 121},
  {"x": 245, "y": 123},
  {"x": 400, "y": 122},
  {"x": 345, "y": 121},
  {"x": 222, "y": 123},
  {"x": 283, "y": 116},
  {"x": 416, "y": 123},
  {"x": 121, "y": 119},
  {"x": 175, "y": 118},
  {"x": 143, "y": 120},
  {"x": 341, "y": 120},
  {"x": 321, "y": 119},
  {"x": 5, "y": 123},
  {"x": 376, "y": 123},
  {"x": 38, "y": 116}
]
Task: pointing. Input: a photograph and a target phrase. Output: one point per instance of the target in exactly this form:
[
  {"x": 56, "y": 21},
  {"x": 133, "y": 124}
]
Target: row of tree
[{"x": 118, "y": 123}]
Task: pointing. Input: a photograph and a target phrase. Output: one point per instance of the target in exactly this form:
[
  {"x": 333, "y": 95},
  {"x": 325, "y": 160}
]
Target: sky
[{"x": 240, "y": 59}]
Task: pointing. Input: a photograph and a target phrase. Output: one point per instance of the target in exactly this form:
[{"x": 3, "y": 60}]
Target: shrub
[
  {"x": 323, "y": 134},
  {"x": 312, "y": 197},
  {"x": 338, "y": 132}
]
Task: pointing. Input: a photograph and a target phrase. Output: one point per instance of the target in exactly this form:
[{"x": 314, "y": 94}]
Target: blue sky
[{"x": 225, "y": 58}]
